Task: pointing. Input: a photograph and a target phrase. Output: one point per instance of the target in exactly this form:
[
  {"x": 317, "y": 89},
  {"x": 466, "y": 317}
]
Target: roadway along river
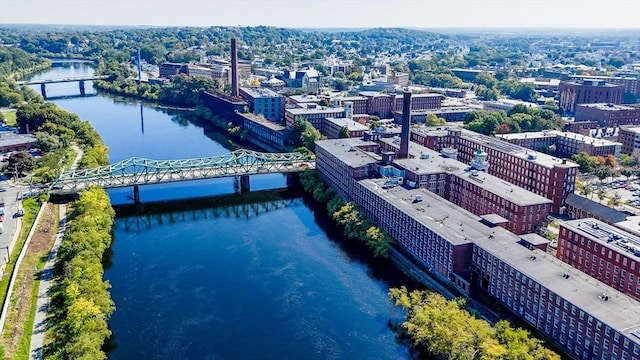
[{"x": 257, "y": 276}]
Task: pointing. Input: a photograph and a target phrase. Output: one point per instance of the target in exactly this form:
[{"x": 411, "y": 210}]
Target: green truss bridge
[{"x": 137, "y": 171}]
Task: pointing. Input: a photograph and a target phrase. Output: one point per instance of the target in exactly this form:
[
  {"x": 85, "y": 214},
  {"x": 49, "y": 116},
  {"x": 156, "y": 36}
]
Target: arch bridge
[{"x": 137, "y": 171}]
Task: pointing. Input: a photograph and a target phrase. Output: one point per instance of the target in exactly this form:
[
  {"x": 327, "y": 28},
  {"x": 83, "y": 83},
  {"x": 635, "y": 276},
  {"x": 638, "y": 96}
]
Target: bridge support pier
[
  {"x": 43, "y": 90},
  {"x": 81, "y": 85},
  {"x": 242, "y": 183},
  {"x": 292, "y": 179},
  {"x": 136, "y": 194}
]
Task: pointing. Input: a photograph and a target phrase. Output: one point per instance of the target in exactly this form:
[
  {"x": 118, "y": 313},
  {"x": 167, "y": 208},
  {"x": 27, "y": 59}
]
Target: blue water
[{"x": 242, "y": 277}]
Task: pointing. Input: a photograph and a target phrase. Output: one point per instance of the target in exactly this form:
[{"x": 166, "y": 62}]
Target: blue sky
[{"x": 327, "y": 13}]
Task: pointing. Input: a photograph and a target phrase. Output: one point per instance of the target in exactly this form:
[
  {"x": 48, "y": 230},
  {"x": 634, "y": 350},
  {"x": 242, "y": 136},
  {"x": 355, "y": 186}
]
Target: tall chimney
[
  {"x": 406, "y": 121},
  {"x": 234, "y": 68}
]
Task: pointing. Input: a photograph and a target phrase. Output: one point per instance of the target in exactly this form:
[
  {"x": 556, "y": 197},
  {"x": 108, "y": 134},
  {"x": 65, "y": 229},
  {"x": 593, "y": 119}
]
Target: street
[{"x": 10, "y": 222}]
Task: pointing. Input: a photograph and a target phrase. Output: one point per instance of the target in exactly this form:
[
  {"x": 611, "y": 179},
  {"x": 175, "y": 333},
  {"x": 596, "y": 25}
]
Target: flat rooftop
[
  {"x": 437, "y": 164},
  {"x": 350, "y": 124},
  {"x": 608, "y": 107},
  {"x": 555, "y": 133},
  {"x": 536, "y": 157},
  {"x": 261, "y": 120},
  {"x": 459, "y": 227},
  {"x": 347, "y": 150},
  {"x": 258, "y": 92},
  {"x": 606, "y": 235},
  {"x": 9, "y": 138},
  {"x": 316, "y": 110},
  {"x": 305, "y": 98},
  {"x": 620, "y": 311},
  {"x": 441, "y": 216}
]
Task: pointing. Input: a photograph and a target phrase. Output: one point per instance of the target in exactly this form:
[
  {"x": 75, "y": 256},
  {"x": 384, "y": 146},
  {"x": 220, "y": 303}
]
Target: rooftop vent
[
  {"x": 532, "y": 257},
  {"x": 566, "y": 276},
  {"x": 417, "y": 198},
  {"x": 603, "y": 297}
]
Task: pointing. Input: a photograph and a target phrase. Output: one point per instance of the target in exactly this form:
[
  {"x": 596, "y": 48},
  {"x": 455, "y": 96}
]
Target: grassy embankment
[{"x": 15, "y": 340}]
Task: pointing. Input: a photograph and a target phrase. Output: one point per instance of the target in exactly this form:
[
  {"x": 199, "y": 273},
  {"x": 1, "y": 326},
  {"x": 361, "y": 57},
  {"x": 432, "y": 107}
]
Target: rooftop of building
[
  {"x": 620, "y": 311},
  {"x": 541, "y": 81},
  {"x": 348, "y": 150},
  {"x": 509, "y": 103},
  {"x": 608, "y": 236},
  {"x": 349, "y": 123},
  {"x": 9, "y": 138},
  {"x": 316, "y": 110},
  {"x": 595, "y": 208},
  {"x": 536, "y": 157},
  {"x": 602, "y": 77},
  {"x": 441, "y": 216},
  {"x": 607, "y": 107},
  {"x": 591, "y": 82},
  {"x": 260, "y": 119},
  {"x": 305, "y": 98},
  {"x": 459, "y": 227},
  {"x": 259, "y": 92},
  {"x": 631, "y": 128},
  {"x": 555, "y": 133},
  {"x": 434, "y": 163},
  {"x": 442, "y": 110}
]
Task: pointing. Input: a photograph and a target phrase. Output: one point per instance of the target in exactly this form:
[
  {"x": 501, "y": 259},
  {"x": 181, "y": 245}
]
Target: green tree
[
  {"x": 21, "y": 162},
  {"x": 587, "y": 163},
  {"x": 343, "y": 133},
  {"x": 434, "y": 120},
  {"x": 615, "y": 200},
  {"x": 444, "y": 329},
  {"x": 586, "y": 190}
]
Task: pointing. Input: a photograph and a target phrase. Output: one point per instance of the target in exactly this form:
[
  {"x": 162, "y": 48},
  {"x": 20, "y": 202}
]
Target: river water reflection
[{"x": 239, "y": 276}]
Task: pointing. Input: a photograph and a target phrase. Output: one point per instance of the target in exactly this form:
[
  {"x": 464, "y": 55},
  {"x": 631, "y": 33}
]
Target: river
[{"x": 233, "y": 276}]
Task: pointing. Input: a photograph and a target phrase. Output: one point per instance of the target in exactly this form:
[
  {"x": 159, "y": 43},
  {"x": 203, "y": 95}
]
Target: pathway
[
  {"x": 42, "y": 306},
  {"x": 46, "y": 275}
]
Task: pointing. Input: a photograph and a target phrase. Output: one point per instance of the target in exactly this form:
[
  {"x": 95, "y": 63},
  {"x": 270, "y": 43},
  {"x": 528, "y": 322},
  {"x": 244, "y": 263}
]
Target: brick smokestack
[
  {"x": 234, "y": 68},
  {"x": 406, "y": 121}
]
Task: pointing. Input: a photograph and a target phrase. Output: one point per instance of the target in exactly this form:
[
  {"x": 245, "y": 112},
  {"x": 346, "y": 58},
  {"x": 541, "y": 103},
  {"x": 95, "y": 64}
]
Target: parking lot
[{"x": 629, "y": 192}]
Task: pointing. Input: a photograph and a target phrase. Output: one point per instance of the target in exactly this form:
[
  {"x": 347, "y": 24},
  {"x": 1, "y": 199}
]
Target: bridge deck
[
  {"x": 141, "y": 171},
  {"x": 53, "y": 81}
]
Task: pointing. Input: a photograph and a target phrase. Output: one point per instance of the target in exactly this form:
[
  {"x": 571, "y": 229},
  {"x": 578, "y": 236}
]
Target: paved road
[{"x": 11, "y": 223}]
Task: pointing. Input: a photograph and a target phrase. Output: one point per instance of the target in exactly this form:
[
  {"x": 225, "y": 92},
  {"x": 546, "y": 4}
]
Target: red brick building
[
  {"x": 608, "y": 115},
  {"x": 581, "y": 315},
  {"x": 588, "y": 91},
  {"x": 602, "y": 251},
  {"x": 539, "y": 173}
]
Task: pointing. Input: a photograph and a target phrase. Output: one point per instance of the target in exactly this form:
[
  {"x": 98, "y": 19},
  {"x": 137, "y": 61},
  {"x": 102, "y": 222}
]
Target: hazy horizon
[{"x": 329, "y": 14}]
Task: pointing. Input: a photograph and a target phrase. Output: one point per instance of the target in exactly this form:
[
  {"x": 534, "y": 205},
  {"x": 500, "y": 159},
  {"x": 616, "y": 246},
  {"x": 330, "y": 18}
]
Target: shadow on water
[{"x": 143, "y": 217}]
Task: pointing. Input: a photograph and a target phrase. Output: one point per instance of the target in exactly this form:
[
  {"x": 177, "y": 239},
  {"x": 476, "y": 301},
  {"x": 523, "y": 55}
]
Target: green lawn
[{"x": 10, "y": 118}]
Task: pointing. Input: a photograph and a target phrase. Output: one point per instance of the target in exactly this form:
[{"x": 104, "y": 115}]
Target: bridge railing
[{"x": 138, "y": 171}]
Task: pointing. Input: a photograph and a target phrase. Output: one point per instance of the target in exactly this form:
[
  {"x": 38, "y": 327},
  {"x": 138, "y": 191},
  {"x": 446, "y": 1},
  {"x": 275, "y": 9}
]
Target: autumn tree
[{"x": 445, "y": 329}]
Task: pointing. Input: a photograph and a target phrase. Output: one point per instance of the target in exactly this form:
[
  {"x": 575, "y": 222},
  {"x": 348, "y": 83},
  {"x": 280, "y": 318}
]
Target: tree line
[
  {"x": 80, "y": 299},
  {"x": 444, "y": 329},
  {"x": 355, "y": 224},
  {"x": 519, "y": 118}
]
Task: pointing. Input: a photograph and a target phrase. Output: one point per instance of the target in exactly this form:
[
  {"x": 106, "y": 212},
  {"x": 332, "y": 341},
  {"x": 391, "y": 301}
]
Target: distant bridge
[
  {"x": 62, "y": 80},
  {"x": 137, "y": 171},
  {"x": 79, "y": 80}
]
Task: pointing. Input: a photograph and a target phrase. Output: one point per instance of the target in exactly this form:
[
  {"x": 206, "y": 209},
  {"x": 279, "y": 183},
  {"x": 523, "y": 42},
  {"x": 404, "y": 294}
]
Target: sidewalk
[{"x": 42, "y": 305}]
